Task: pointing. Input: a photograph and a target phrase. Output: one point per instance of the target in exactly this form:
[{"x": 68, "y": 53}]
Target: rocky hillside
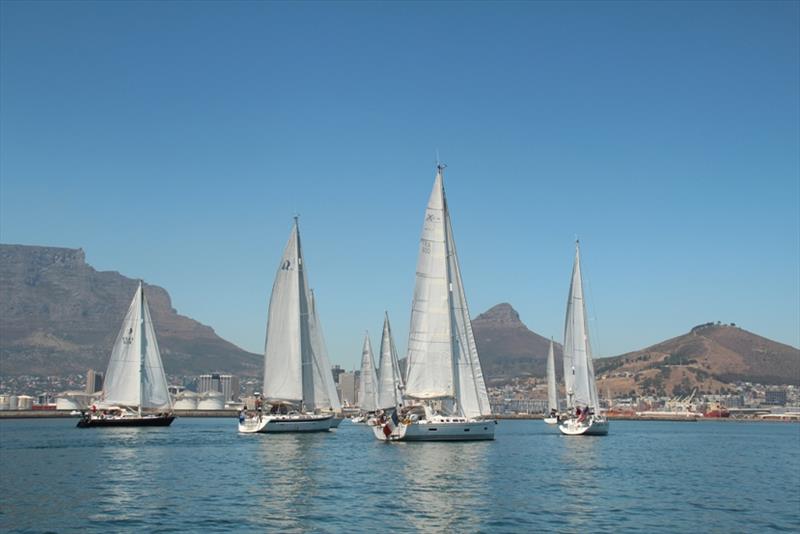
[
  {"x": 709, "y": 357},
  {"x": 508, "y": 349},
  {"x": 58, "y": 315}
]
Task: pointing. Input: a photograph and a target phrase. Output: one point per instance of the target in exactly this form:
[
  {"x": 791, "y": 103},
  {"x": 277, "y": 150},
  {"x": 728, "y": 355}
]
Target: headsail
[
  {"x": 552, "y": 393},
  {"x": 472, "y": 396},
  {"x": 578, "y": 368},
  {"x": 324, "y": 364},
  {"x": 135, "y": 375},
  {"x": 368, "y": 381},
  {"x": 390, "y": 383}
]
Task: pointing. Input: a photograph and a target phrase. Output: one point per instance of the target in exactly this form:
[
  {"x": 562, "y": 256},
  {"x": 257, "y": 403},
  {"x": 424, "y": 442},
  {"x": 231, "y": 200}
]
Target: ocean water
[{"x": 201, "y": 475}]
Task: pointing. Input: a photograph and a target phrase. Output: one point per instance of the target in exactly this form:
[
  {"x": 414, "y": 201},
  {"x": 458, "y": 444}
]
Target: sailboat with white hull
[
  {"x": 552, "y": 392},
  {"x": 135, "y": 391},
  {"x": 582, "y": 399},
  {"x": 445, "y": 395},
  {"x": 296, "y": 388},
  {"x": 367, "y": 384},
  {"x": 390, "y": 381}
]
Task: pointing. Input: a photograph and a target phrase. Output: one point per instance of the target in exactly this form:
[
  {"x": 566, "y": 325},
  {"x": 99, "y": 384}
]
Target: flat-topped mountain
[{"x": 58, "y": 315}]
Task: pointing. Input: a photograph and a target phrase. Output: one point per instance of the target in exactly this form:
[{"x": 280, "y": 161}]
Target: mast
[
  {"x": 305, "y": 345},
  {"x": 142, "y": 347}
]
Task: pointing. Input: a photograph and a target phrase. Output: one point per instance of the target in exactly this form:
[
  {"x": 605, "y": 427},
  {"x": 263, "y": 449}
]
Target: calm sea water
[{"x": 200, "y": 474}]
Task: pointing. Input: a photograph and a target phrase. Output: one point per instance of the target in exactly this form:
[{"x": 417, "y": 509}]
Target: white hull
[
  {"x": 286, "y": 423},
  {"x": 594, "y": 426},
  {"x": 336, "y": 421},
  {"x": 439, "y": 430},
  {"x": 551, "y": 420}
]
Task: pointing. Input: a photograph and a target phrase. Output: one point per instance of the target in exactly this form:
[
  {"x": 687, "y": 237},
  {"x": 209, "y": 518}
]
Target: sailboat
[
  {"x": 390, "y": 382},
  {"x": 445, "y": 393},
  {"x": 135, "y": 390},
  {"x": 295, "y": 362},
  {"x": 582, "y": 399},
  {"x": 552, "y": 393},
  {"x": 367, "y": 383}
]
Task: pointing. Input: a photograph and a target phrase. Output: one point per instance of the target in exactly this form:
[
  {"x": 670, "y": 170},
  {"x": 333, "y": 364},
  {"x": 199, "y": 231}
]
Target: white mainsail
[
  {"x": 390, "y": 383},
  {"x": 552, "y": 393},
  {"x": 135, "y": 375},
  {"x": 578, "y": 367},
  {"x": 442, "y": 359},
  {"x": 368, "y": 380},
  {"x": 294, "y": 356}
]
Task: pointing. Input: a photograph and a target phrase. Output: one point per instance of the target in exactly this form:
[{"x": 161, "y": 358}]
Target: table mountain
[{"x": 58, "y": 315}]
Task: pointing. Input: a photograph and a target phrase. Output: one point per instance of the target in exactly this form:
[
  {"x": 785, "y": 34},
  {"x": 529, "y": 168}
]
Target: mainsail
[
  {"x": 552, "y": 394},
  {"x": 578, "y": 368},
  {"x": 390, "y": 383},
  {"x": 295, "y": 360},
  {"x": 442, "y": 356},
  {"x": 135, "y": 375},
  {"x": 368, "y": 380}
]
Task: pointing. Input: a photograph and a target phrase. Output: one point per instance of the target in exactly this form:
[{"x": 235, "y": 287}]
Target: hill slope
[{"x": 58, "y": 315}]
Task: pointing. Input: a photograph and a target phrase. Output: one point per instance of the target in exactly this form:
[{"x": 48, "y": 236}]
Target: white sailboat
[
  {"x": 552, "y": 392},
  {"x": 367, "y": 383},
  {"x": 135, "y": 391},
  {"x": 444, "y": 392},
  {"x": 578, "y": 367},
  {"x": 390, "y": 381},
  {"x": 295, "y": 362}
]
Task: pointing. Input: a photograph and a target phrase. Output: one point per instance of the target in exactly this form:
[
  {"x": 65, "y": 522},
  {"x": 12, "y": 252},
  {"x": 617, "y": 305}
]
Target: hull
[
  {"x": 595, "y": 426},
  {"x": 269, "y": 424},
  {"x": 469, "y": 430},
  {"x": 336, "y": 421},
  {"x": 126, "y": 421},
  {"x": 551, "y": 420}
]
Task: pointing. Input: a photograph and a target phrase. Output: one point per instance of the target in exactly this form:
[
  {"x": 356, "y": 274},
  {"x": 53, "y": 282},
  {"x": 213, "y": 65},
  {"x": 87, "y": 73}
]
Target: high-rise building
[
  {"x": 94, "y": 381},
  {"x": 336, "y": 371},
  {"x": 776, "y": 397},
  {"x": 347, "y": 387},
  {"x": 228, "y": 385}
]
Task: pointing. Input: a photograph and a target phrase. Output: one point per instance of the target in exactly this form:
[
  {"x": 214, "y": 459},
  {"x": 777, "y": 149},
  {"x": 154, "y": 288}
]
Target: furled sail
[
  {"x": 578, "y": 368},
  {"x": 368, "y": 381},
  {"x": 390, "y": 383},
  {"x": 552, "y": 394},
  {"x": 135, "y": 375},
  {"x": 430, "y": 350}
]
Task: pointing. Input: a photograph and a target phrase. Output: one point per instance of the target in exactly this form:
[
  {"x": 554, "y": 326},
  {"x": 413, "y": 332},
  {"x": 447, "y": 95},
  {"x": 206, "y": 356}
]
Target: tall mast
[
  {"x": 141, "y": 346},
  {"x": 305, "y": 345},
  {"x": 449, "y": 280}
]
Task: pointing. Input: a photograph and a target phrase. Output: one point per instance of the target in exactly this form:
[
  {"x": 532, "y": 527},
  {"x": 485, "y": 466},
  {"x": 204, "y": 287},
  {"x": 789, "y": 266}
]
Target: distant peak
[{"x": 502, "y": 315}]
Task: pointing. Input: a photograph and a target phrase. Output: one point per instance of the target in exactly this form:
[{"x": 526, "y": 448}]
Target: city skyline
[{"x": 177, "y": 147}]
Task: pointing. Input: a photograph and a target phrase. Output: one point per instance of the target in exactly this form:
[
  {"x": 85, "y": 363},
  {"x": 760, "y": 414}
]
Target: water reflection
[
  {"x": 580, "y": 457},
  {"x": 445, "y": 484}
]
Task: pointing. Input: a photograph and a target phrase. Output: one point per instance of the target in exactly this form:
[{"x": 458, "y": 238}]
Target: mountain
[
  {"x": 508, "y": 349},
  {"x": 708, "y": 358},
  {"x": 58, "y": 316}
]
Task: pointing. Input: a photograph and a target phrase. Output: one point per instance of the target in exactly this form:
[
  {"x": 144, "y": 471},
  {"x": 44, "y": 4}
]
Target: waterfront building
[
  {"x": 228, "y": 385},
  {"x": 347, "y": 387},
  {"x": 94, "y": 381},
  {"x": 775, "y": 397}
]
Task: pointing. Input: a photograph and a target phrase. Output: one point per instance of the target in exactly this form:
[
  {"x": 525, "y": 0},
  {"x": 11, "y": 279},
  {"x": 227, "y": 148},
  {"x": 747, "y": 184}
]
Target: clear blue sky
[{"x": 175, "y": 141}]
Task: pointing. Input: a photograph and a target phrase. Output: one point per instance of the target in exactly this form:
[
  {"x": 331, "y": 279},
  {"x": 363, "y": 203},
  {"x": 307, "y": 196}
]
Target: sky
[{"x": 175, "y": 141}]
